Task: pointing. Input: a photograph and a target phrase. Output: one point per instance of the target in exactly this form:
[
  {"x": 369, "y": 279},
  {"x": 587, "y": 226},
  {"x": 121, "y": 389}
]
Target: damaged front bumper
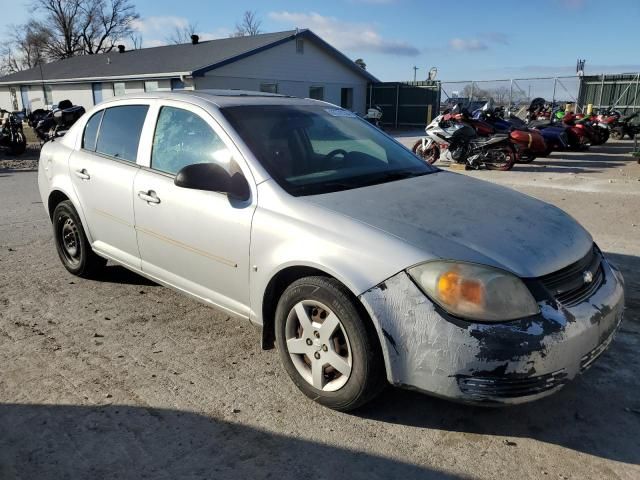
[{"x": 491, "y": 363}]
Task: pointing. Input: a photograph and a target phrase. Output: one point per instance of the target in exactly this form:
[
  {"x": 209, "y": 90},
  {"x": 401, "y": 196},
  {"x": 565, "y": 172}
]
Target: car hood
[{"x": 453, "y": 216}]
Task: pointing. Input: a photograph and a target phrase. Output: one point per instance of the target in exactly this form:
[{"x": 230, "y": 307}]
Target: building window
[
  {"x": 118, "y": 89},
  {"x": 299, "y": 46},
  {"x": 48, "y": 95},
  {"x": 177, "y": 84},
  {"x": 346, "y": 98},
  {"x": 96, "y": 90},
  {"x": 269, "y": 87},
  {"x": 317, "y": 93},
  {"x": 151, "y": 86}
]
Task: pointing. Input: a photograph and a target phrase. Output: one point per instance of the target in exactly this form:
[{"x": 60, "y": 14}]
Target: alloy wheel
[{"x": 318, "y": 345}]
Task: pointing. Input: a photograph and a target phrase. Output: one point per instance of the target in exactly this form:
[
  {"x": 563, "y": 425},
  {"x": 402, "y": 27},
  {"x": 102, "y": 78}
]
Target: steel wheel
[
  {"x": 318, "y": 345},
  {"x": 72, "y": 245},
  {"x": 71, "y": 241}
]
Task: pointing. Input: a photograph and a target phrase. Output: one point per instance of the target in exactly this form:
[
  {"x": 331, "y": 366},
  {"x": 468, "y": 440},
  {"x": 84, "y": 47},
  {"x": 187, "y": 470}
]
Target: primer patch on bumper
[{"x": 423, "y": 350}]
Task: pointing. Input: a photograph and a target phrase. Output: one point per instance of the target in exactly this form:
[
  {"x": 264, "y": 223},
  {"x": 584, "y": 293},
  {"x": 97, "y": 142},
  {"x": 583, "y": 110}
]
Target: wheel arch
[
  {"x": 278, "y": 284},
  {"x": 57, "y": 195}
]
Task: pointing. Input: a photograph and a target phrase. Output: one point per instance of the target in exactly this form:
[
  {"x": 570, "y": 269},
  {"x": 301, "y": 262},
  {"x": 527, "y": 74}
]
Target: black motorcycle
[
  {"x": 58, "y": 121},
  {"x": 12, "y": 136},
  {"x": 626, "y": 126}
]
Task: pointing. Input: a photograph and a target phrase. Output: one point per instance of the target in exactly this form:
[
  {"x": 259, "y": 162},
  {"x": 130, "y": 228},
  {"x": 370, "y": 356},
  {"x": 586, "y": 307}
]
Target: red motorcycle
[{"x": 597, "y": 135}]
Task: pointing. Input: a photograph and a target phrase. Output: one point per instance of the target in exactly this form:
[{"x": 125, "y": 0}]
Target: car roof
[{"x": 221, "y": 98}]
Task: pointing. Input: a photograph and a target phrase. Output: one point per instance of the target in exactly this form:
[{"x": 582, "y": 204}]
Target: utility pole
[{"x": 415, "y": 71}]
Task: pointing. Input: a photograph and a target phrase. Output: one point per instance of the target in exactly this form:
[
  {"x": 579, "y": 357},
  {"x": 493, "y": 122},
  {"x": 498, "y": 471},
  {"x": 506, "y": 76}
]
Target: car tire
[
  {"x": 72, "y": 245},
  {"x": 348, "y": 356}
]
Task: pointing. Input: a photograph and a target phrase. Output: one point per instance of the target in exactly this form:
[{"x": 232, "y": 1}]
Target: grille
[
  {"x": 484, "y": 388},
  {"x": 569, "y": 286}
]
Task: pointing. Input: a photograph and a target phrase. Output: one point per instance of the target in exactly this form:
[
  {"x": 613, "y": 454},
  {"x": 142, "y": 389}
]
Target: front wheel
[
  {"x": 430, "y": 154},
  {"x": 327, "y": 347},
  {"x": 500, "y": 158},
  {"x": 18, "y": 145}
]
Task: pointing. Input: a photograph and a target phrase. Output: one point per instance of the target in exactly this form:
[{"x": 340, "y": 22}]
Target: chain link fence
[{"x": 515, "y": 92}]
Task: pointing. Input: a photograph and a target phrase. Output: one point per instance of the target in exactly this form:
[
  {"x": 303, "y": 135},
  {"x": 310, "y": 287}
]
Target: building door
[
  {"x": 97, "y": 93},
  {"x": 24, "y": 94},
  {"x": 346, "y": 98}
]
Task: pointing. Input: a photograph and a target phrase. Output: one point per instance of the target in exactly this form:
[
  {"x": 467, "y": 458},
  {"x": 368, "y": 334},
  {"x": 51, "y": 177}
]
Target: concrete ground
[{"x": 122, "y": 378}]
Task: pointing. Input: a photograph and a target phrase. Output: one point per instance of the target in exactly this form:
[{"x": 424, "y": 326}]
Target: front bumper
[{"x": 499, "y": 363}]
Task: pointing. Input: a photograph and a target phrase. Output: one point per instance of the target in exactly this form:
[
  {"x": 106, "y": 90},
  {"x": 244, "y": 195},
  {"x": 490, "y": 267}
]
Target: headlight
[{"x": 475, "y": 292}]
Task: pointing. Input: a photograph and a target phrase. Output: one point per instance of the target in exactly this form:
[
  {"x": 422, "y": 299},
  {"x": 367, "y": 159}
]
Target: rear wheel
[
  {"x": 328, "y": 349},
  {"x": 72, "y": 245},
  {"x": 501, "y": 158},
  {"x": 430, "y": 154}
]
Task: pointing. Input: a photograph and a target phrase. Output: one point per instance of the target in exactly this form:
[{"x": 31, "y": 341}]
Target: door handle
[
  {"x": 149, "y": 197},
  {"x": 82, "y": 174}
]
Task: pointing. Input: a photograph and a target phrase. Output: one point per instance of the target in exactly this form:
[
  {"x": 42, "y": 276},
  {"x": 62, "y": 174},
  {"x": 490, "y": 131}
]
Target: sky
[{"x": 464, "y": 40}]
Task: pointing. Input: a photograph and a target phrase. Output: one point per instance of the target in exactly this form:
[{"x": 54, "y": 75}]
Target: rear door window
[{"x": 120, "y": 131}]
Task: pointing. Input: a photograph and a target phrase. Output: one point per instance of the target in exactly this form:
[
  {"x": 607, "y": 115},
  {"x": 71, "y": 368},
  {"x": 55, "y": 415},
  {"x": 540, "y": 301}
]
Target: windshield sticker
[{"x": 339, "y": 112}]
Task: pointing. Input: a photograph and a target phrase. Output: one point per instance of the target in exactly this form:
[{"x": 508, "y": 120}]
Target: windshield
[{"x": 318, "y": 149}]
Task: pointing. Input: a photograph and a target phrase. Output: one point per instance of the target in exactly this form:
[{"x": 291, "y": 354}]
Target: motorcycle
[
  {"x": 530, "y": 142},
  {"x": 596, "y": 133},
  {"x": 450, "y": 137},
  {"x": 12, "y": 136},
  {"x": 625, "y": 126},
  {"x": 58, "y": 121},
  {"x": 557, "y": 135},
  {"x": 374, "y": 116}
]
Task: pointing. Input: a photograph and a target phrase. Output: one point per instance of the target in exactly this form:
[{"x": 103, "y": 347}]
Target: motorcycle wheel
[
  {"x": 617, "y": 134},
  {"x": 18, "y": 147},
  {"x": 507, "y": 158},
  {"x": 526, "y": 158},
  {"x": 430, "y": 155}
]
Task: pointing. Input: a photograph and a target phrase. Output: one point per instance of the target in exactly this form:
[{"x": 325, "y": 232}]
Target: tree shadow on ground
[
  {"x": 598, "y": 413},
  {"x": 118, "y": 441}
]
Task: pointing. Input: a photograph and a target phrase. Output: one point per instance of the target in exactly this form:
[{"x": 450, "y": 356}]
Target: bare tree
[
  {"x": 63, "y": 20},
  {"x": 104, "y": 23},
  {"x": 360, "y": 63},
  {"x": 136, "y": 41},
  {"x": 182, "y": 34},
  {"x": 25, "y": 49},
  {"x": 500, "y": 95},
  {"x": 248, "y": 26},
  {"x": 73, "y": 27}
]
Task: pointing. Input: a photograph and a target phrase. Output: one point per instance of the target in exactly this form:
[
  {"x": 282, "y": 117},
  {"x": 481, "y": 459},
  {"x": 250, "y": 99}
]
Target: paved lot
[{"x": 121, "y": 378}]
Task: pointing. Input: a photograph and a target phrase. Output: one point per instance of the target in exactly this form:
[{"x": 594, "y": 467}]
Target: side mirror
[{"x": 213, "y": 178}]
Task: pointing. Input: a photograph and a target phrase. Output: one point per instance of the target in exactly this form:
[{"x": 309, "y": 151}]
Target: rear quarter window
[
  {"x": 91, "y": 132},
  {"x": 120, "y": 130}
]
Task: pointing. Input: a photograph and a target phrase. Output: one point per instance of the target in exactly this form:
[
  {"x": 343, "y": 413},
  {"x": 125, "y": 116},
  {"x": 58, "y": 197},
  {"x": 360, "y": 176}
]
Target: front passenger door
[{"x": 197, "y": 241}]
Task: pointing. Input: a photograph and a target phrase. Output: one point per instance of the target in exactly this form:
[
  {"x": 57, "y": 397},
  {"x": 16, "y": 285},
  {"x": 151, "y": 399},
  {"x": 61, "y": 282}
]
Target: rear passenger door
[{"x": 102, "y": 171}]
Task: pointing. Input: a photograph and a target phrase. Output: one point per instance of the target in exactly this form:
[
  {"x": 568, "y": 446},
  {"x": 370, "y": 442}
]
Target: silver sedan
[{"x": 363, "y": 264}]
